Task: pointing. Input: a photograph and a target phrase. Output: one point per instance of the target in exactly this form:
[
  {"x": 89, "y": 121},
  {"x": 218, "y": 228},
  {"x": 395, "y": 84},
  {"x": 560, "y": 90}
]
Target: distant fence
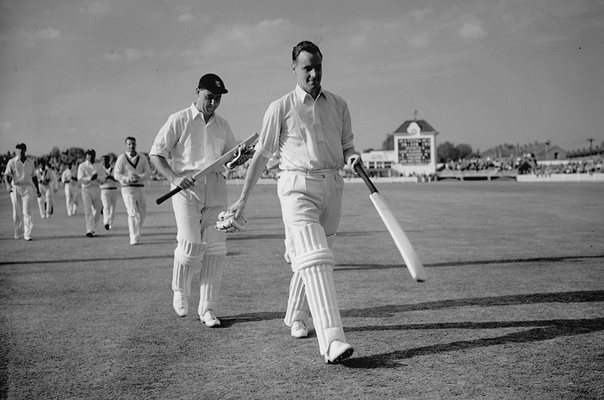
[
  {"x": 484, "y": 175},
  {"x": 585, "y": 177}
]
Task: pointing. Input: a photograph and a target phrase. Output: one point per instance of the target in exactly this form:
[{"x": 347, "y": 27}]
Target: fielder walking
[
  {"x": 20, "y": 178},
  {"x": 192, "y": 139},
  {"x": 108, "y": 193},
  {"x": 131, "y": 171},
  {"x": 69, "y": 179},
  {"x": 90, "y": 175},
  {"x": 310, "y": 130},
  {"x": 48, "y": 184}
]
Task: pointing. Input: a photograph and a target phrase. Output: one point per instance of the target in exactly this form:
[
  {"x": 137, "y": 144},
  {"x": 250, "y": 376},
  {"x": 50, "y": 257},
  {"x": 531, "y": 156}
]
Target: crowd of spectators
[{"x": 507, "y": 164}]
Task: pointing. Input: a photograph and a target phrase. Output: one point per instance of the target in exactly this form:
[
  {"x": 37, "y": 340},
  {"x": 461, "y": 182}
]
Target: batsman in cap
[{"x": 190, "y": 140}]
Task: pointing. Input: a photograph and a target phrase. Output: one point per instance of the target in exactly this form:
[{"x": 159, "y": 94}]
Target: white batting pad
[
  {"x": 322, "y": 300},
  {"x": 297, "y": 306},
  {"x": 211, "y": 279},
  {"x": 311, "y": 247},
  {"x": 187, "y": 261}
]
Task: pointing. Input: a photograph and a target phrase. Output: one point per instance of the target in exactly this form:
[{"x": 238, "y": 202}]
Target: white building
[{"x": 414, "y": 152}]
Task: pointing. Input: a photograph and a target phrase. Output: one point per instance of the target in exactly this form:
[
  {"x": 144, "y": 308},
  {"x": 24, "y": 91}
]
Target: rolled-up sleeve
[
  {"x": 268, "y": 141},
  {"x": 347, "y": 135},
  {"x": 165, "y": 139}
]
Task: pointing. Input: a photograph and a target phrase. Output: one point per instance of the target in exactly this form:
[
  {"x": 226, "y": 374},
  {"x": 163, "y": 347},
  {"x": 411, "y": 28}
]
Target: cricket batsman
[
  {"x": 188, "y": 141},
  {"x": 310, "y": 129}
]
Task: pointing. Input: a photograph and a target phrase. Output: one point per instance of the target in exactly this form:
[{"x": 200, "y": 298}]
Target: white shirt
[
  {"x": 126, "y": 166},
  {"x": 190, "y": 143},
  {"x": 21, "y": 173},
  {"x": 308, "y": 134},
  {"x": 85, "y": 172}
]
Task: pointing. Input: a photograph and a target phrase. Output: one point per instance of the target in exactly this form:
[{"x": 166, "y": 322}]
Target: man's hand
[
  {"x": 94, "y": 176},
  {"x": 228, "y": 223},
  {"x": 242, "y": 154},
  {"x": 183, "y": 182},
  {"x": 353, "y": 159}
]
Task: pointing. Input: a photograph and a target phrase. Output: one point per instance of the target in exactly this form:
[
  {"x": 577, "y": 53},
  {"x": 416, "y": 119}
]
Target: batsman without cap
[{"x": 310, "y": 129}]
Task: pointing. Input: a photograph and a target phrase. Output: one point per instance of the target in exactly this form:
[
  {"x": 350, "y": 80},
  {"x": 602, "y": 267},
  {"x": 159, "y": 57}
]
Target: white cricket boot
[
  {"x": 180, "y": 303},
  {"x": 299, "y": 329},
  {"x": 338, "y": 352},
  {"x": 210, "y": 319}
]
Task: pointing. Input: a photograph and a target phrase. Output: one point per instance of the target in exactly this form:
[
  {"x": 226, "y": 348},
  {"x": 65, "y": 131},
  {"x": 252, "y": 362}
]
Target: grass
[{"x": 512, "y": 308}]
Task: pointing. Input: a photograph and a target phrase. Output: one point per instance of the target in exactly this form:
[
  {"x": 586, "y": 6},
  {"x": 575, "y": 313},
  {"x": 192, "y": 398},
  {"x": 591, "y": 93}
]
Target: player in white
[
  {"x": 47, "y": 180},
  {"x": 108, "y": 193},
  {"x": 131, "y": 171},
  {"x": 20, "y": 178},
  {"x": 310, "y": 128},
  {"x": 90, "y": 175},
  {"x": 192, "y": 139},
  {"x": 68, "y": 177}
]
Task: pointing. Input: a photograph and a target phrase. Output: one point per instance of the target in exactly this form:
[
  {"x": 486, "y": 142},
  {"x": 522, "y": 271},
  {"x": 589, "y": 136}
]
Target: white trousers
[
  {"x": 108, "y": 200},
  {"x": 136, "y": 208},
  {"x": 22, "y": 198},
  {"x": 201, "y": 249},
  {"x": 310, "y": 199},
  {"x": 91, "y": 198},
  {"x": 71, "y": 200},
  {"x": 45, "y": 203}
]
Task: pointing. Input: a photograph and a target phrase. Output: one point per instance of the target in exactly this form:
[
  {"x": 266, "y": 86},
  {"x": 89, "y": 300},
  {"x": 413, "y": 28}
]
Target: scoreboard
[{"x": 414, "y": 151}]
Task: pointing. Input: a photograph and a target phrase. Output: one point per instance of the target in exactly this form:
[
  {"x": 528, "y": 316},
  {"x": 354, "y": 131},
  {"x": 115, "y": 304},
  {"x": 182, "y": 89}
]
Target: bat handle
[
  {"x": 361, "y": 171},
  {"x": 167, "y": 195}
]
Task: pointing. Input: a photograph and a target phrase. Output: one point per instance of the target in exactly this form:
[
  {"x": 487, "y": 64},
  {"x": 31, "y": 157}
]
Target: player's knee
[
  {"x": 188, "y": 253},
  {"x": 214, "y": 241},
  {"x": 311, "y": 248}
]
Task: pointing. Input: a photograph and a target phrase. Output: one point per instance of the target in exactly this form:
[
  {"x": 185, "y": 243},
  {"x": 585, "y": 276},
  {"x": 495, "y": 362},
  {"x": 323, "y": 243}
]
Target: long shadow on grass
[
  {"x": 354, "y": 267},
  {"x": 388, "y": 311},
  {"x": 543, "y": 330}
]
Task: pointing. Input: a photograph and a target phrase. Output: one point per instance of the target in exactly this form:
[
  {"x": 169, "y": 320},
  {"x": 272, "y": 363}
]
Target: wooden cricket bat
[
  {"x": 412, "y": 261},
  {"x": 220, "y": 162}
]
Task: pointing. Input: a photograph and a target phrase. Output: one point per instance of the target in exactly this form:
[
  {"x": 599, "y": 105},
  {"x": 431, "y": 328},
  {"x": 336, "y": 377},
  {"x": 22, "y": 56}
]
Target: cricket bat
[
  {"x": 220, "y": 162},
  {"x": 412, "y": 261}
]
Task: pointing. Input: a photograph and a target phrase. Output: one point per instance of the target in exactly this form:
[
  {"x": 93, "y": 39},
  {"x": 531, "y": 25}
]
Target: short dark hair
[
  {"x": 305, "y": 45},
  {"x": 130, "y": 138},
  {"x": 91, "y": 152},
  {"x": 21, "y": 146}
]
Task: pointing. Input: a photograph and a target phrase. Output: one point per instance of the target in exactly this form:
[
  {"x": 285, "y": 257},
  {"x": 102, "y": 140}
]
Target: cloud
[
  {"x": 45, "y": 34},
  {"x": 472, "y": 30},
  {"x": 246, "y": 39},
  {"x": 421, "y": 40},
  {"x": 95, "y": 8},
  {"x": 6, "y": 126},
  {"x": 186, "y": 17},
  {"x": 129, "y": 54},
  {"x": 134, "y": 54}
]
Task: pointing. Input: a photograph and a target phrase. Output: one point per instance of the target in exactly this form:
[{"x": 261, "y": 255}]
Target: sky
[{"x": 481, "y": 72}]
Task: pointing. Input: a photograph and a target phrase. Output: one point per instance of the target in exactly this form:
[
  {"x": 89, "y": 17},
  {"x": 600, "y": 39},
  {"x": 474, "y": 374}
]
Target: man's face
[
  {"x": 90, "y": 157},
  {"x": 308, "y": 70},
  {"x": 131, "y": 146},
  {"x": 21, "y": 152},
  {"x": 207, "y": 102}
]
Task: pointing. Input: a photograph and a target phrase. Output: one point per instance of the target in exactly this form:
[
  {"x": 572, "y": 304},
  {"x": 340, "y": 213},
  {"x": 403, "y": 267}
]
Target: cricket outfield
[{"x": 512, "y": 308}]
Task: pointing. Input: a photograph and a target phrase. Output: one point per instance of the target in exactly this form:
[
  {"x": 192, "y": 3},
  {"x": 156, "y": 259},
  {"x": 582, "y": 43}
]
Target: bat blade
[{"x": 412, "y": 261}]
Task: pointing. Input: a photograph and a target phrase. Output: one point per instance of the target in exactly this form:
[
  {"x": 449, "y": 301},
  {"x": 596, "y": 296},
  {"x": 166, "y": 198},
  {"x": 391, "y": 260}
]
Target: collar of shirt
[
  {"x": 303, "y": 95},
  {"x": 196, "y": 113}
]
